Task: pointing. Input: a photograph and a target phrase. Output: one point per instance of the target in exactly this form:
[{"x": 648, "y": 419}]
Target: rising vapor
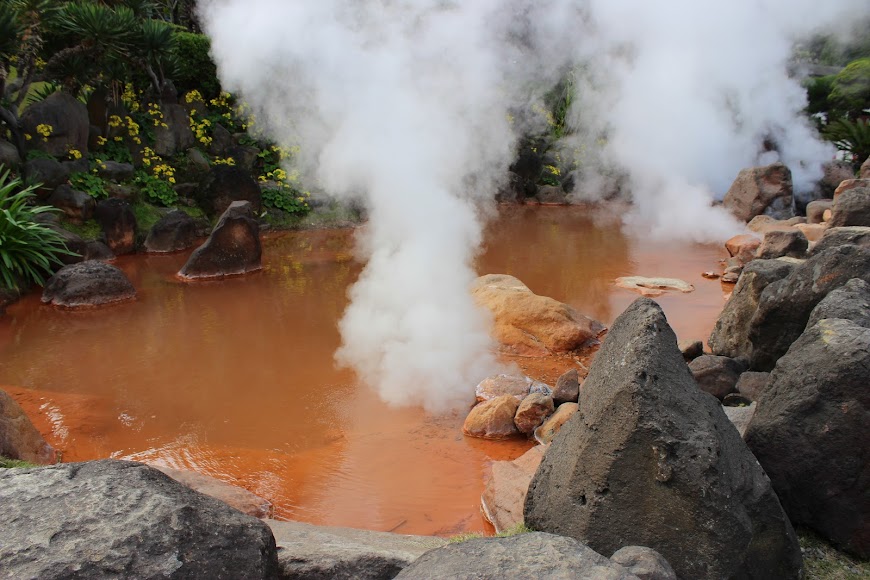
[{"x": 415, "y": 107}]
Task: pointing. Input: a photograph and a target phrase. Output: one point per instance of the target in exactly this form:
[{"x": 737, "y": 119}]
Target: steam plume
[{"x": 415, "y": 106}]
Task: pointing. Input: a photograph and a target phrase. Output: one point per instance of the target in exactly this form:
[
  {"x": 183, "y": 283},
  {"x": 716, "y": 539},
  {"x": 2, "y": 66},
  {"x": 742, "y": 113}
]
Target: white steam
[{"x": 415, "y": 107}]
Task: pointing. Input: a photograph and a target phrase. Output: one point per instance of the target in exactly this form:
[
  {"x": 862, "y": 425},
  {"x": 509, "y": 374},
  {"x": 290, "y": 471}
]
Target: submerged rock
[
  {"x": 234, "y": 496},
  {"x": 106, "y": 519},
  {"x": 811, "y": 430},
  {"x": 525, "y": 323},
  {"x": 493, "y": 419},
  {"x": 86, "y": 284},
  {"x": 19, "y": 439},
  {"x": 533, "y": 555},
  {"x": 653, "y": 286},
  {"x": 651, "y": 460},
  {"x": 306, "y": 551},
  {"x": 761, "y": 190},
  {"x": 233, "y": 247},
  {"x": 505, "y": 493}
]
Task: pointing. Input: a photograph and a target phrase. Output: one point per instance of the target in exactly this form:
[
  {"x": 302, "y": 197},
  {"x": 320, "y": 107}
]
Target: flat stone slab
[
  {"x": 236, "y": 497},
  {"x": 307, "y": 551},
  {"x": 653, "y": 286}
]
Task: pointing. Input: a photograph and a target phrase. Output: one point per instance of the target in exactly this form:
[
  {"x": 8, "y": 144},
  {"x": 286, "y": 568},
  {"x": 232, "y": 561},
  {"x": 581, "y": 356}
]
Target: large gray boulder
[
  {"x": 651, "y": 460},
  {"x": 534, "y": 555},
  {"x": 233, "y": 247},
  {"x": 785, "y": 306},
  {"x": 306, "y": 551},
  {"x": 761, "y": 191},
  {"x": 110, "y": 519},
  {"x": 730, "y": 336},
  {"x": 87, "y": 284},
  {"x": 173, "y": 134},
  {"x": 68, "y": 119},
  {"x": 849, "y": 302},
  {"x": 811, "y": 430},
  {"x": 783, "y": 243},
  {"x": 851, "y": 208},
  {"x": 833, "y": 237}
]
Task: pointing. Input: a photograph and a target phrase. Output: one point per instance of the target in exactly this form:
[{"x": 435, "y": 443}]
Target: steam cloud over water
[{"x": 415, "y": 107}]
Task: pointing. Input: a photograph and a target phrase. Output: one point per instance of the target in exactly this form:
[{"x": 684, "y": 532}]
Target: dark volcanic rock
[
  {"x": 49, "y": 172},
  {"x": 226, "y": 184},
  {"x": 716, "y": 375},
  {"x": 731, "y": 334},
  {"x": 785, "y": 306},
  {"x": 651, "y": 460},
  {"x": 74, "y": 243},
  {"x": 76, "y": 205},
  {"x": 90, "y": 283},
  {"x": 751, "y": 384},
  {"x": 176, "y": 135},
  {"x": 780, "y": 243},
  {"x": 114, "y": 171},
  {"x": 534, "y": 555},
  {"x": 19, "y": 439},
  {"x": 851, "y": 208},
  {"x": 306, "y": 551},
  {"x": 232, "y": 248},
  {"x": 173, "y": 232},
  {"x": 811, "y": 430},
  {"x": 854, "y": 235},
  {"x": 110, "y": 519},
  {"x": 118, "y": 221},
  {"x": 68, "y": 119},
  {"x": 849, "y": 302}
]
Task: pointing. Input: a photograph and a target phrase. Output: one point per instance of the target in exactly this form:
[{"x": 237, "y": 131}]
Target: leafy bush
[
  {"x": 818, "y": 93},
  {"x": 89, "y": 183},
  {"x": 155, "y": 189},
  {"x": 194, "y": 68},
  {"x": 850, "y": 92},
  {"x": 285, "y": 199},
  {"x": 27, "y": 249}
]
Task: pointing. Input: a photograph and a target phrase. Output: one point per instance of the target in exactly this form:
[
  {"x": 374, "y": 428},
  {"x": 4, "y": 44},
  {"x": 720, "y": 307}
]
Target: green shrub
[
  {"x": 818, "y": 94},
  {"x": 285, "y": 199},
  {"x": 194, "y": 68},
  {"x": 850, "y": 136},
  {"x": 27, "y": 249},
  {"x": 89, "y": 183},
  {"x": 850, "y": 91},
  {"x": 155, "y": 189}
]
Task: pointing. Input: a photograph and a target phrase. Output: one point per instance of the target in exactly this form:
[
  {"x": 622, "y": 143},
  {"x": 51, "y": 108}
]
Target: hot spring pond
[{"x": 235, "y": 379}]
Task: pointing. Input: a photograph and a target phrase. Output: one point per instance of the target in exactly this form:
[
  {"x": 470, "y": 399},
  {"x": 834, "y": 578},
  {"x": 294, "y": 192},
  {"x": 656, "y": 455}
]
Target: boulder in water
[
  {"x": 87, "y": 284},
  {"x": 233, "y": 248}
]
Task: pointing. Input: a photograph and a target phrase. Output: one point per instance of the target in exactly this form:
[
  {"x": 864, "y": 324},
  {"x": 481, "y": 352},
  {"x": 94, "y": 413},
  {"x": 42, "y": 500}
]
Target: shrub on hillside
[{"x": 195, "y": 69}]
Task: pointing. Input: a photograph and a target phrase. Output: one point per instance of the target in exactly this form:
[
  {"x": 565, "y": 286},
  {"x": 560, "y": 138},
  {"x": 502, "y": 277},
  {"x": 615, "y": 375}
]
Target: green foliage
[
  {"x": 818, "y": 93},
  {"x": 89, "y": 183},
  {"x": 116, "y": 151},
  {"x": 6, "y": 463},
  {"x": 89, "y": 230},
  {"x": 285, "y": 199},
  {"x": 155, "y": 189},
  {"x": 94, "y": 24},
  {"x": 195, "y": 69},
  {"x": 850, "y": 136},
  {"x": 38, "y": 154},
  {"x": 146, "y": 215},
  {"x": 824, "y": 562},
  {"x": 27, "y": 249},
  {"x": 850, "y": 91}
]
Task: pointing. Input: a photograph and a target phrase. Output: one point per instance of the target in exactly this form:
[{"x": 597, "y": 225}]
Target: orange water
[{"x": 235, "y": 379}]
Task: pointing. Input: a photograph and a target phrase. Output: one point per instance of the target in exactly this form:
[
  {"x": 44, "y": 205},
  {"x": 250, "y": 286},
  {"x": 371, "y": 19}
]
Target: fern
[{"x": 852, "y": 137}]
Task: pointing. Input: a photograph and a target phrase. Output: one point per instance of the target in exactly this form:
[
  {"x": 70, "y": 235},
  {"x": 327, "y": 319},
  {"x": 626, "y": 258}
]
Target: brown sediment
[{"x": 236, "y": 379}]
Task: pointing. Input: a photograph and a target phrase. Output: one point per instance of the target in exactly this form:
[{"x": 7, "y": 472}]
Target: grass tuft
[
  {"x": 6, "y": 463},
  {"x": 824, "y": 562}
]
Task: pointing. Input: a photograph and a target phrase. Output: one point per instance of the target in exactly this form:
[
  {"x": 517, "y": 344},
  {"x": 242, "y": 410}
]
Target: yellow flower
[
  {"x": 119, "y": 138},
  {"x": 171, "y": 179},
  {"x": 27, "y": 137},
  {"x": 75, "y": 153},
  {"x": 114, "y": 121},
  {"x": 101, "y": 140}
]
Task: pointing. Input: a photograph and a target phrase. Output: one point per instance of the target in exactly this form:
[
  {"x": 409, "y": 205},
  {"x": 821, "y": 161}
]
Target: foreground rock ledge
[
  {"x": 109, "y": 519},
  {"x": 651, "y": 460}
]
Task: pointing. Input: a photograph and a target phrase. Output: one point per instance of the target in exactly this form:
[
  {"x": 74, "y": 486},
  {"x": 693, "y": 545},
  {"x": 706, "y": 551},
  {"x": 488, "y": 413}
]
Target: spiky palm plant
[
  {"x": 850, "y": 136},
  {"x": 28, "y": 249}
]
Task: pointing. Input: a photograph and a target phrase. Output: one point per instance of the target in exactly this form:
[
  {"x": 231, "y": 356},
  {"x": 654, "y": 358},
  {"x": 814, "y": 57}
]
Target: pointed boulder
[{"x": 651, "y": 460}]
